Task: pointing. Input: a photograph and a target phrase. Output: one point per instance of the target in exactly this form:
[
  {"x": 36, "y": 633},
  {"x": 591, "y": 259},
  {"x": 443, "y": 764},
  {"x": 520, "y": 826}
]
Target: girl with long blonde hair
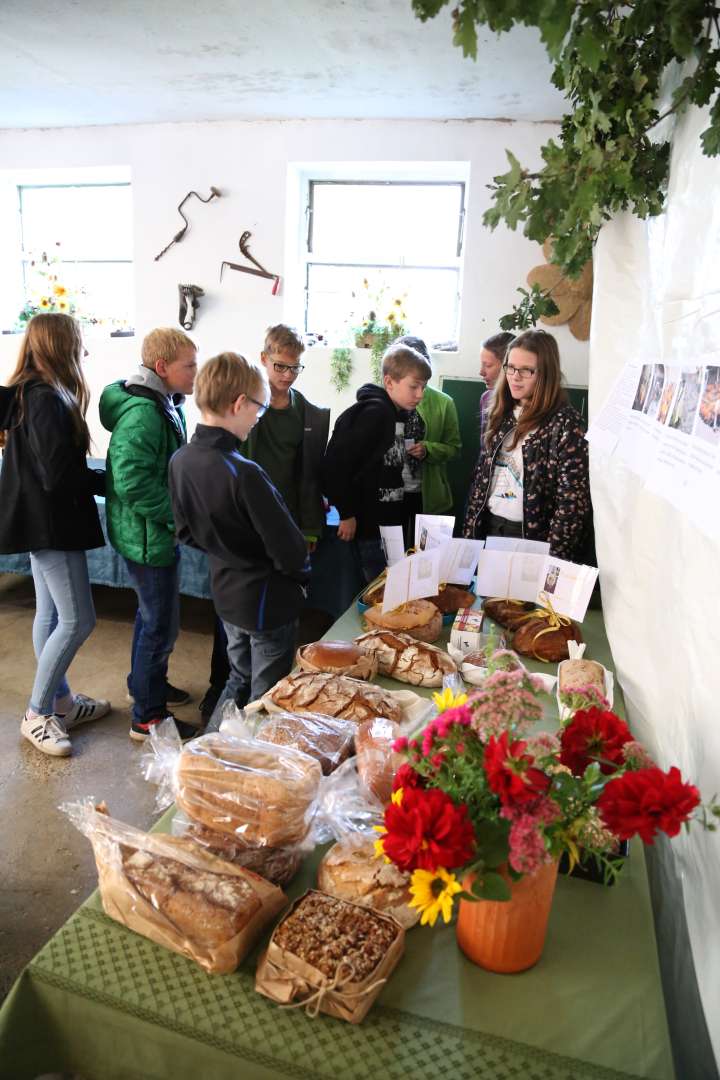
[
  {"x": 531, "y": 479},
  {"x": 46, "y": 492}
]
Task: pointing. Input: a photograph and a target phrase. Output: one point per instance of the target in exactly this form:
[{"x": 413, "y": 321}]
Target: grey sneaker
[
  {"x": 83, "y": 711},
  {"x": 45, "y": 733}
]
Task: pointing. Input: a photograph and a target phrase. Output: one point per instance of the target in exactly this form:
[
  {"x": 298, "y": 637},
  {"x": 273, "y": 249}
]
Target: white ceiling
[{"x": 151, "y": 61}]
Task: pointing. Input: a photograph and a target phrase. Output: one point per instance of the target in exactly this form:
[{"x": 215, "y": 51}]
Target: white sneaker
[
  {"x": 45, "y": 734},
  {"x": 83, "y": 711}
]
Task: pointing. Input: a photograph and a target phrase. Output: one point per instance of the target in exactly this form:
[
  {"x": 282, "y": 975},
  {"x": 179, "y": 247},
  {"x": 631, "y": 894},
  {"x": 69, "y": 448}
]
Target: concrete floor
[{"x": 47, "y": 866}]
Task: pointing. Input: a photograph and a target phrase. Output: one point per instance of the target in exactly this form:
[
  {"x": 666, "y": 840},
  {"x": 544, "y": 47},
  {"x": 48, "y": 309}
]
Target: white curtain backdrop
[{"x": 657, "y": 299}]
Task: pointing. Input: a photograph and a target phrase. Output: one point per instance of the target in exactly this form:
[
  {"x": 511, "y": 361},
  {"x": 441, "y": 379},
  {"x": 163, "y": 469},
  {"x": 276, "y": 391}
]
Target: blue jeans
[
  {"x": 156, "y": 629},
  {"x": 64, "y": 618},
  {"x": 258, "y": 659}
]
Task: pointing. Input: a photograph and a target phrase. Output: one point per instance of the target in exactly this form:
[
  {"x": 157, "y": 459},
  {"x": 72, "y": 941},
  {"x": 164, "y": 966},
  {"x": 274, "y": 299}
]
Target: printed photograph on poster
[
  {"x": 643, "y": 387},
  {"x": 671, "y": 384},
  {"x": 707, "y": 423},
  {"x": 682, "y": 416},
  {"x": 654, "y": 394}
]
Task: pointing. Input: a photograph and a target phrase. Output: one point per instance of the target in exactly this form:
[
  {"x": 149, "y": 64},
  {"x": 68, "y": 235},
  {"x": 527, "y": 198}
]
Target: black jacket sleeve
[
  {"x": 58, "y": 460},
  {"x": 357, "y": 445},
  {"x": 271, "y": 519}
]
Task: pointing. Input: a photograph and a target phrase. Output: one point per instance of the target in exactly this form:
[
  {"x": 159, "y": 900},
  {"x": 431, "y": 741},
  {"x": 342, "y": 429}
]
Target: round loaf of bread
[
  {"x": 418, "y": 618},
  {"x": 575, "y": 674},
  {"x": 351, "y": 871},
  {"x": 535, "y": 638},
  {"x": 402, "y": 657},
  {"x": 335, "y": 695},
  {"x": 235, "y": 786},
  {"x": 336, "y": 657},
  {"x": 508, "y": 613}
]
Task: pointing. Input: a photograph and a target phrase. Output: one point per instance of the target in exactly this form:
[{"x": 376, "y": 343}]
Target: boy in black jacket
[
  {"x": 227, "y": 506},
  {"x": 367, "y": 473}
]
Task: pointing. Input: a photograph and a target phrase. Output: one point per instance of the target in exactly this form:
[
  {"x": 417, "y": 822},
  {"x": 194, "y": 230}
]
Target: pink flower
[
  {"x": 400, "y": 745},
  {"x": 527, "y": 847}
]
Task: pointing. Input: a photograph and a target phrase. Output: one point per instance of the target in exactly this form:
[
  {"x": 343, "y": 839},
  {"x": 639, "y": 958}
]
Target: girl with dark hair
[
  {"x": 531, "y": 479},
  {"x": 46, "y": 492},
  {"x": 492, "y": 357}
]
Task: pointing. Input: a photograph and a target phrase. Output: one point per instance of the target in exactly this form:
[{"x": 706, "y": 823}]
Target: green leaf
[
  {"x": 590, "y": 49},
  {"x": 491, "y": 887}
]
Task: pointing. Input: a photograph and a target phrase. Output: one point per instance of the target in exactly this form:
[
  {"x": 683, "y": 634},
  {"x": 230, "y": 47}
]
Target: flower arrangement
[
  {"x": 380, "y": 324},
  {"x": 478, "y": 794},
  {"x": 47, "y": 292}
]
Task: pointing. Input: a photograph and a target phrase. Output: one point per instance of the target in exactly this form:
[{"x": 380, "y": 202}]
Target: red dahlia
[
  {"x": 427, "y": 830},
  {"x": 646, "y": 801},
  {"x": 511, "y": 773},
  {"x": 406, "y": 777},
  {"x": 594, "y": 735}
]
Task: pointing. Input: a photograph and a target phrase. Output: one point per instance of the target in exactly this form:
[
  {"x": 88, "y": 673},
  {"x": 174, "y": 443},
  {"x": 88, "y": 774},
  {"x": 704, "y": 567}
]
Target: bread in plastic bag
[
  {"x": 376, "y": 761},
  {"x": 276, "y": 864},
  {"x": 171, "y": 891}
]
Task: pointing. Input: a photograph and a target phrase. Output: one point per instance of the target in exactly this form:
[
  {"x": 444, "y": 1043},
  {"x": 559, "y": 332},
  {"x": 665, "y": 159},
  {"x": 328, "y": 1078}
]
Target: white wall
[
  {"x": 249, "y": 161},
  {"x": 656, "y": 290}
]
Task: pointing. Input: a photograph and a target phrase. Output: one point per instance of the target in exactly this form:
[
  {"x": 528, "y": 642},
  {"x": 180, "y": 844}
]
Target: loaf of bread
[
  {"x": 577, "y": 674},
  {"x": 328, "y": 739},
  {"x": 400, "y": 656},
  {"x": 350, "y": 870},
  {"x": 376, "y": 762},
  {"x": 508, "y": 613},
  {"x": 334, "y": 695},
  {"x": 278, "y": 865},
  {"x": 264, "y": 794},
  {"x": 536, "y": 638},
  {"x": 336, "y": 657},
  {"x": 170, "y": 890},
  {"x": 418, "y": 618}
]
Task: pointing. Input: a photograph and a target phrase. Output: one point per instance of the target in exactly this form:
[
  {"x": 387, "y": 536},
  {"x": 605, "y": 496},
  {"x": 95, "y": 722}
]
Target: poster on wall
[{"x": 662, "y": 421}]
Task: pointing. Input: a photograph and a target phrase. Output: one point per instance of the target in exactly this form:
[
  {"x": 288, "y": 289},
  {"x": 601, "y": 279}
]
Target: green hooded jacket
[
  {"x": 442, "y": 442},
  {"x": 147, "y": 428}
]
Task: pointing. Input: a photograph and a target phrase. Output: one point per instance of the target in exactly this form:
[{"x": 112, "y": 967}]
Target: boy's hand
[
  {"x": 417, "y": 451},
  {"x": 347, "y": 528}
]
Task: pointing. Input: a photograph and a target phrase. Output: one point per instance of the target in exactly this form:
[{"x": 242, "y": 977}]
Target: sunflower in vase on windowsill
[
  {"x": 47, "y": 292},
  {"x": 380, "y": 324},
  {"x": 483, "y": 809}
]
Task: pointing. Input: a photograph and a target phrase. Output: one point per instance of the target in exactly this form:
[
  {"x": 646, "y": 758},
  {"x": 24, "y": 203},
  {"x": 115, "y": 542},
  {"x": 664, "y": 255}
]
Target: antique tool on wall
[
  {"x": 189, "y": 303},
  {"x": 214, "y": 194},
  {"x": 259, "y": 272}
]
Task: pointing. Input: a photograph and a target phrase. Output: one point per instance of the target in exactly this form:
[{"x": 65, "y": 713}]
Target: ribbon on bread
[{"x": 546, "y": 613}]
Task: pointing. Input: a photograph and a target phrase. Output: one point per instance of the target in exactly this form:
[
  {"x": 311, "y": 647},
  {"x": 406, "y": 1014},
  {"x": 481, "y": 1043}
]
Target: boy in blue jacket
[{"x": 226, "y": 505}]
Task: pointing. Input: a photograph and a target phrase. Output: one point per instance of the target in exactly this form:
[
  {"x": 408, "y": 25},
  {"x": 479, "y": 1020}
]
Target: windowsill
[{"x": 112, "y": 333}]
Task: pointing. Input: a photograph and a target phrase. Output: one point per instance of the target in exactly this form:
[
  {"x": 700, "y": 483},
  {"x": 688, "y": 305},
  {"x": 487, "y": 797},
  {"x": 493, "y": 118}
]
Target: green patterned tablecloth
[{"x": 106, "y": 1003}]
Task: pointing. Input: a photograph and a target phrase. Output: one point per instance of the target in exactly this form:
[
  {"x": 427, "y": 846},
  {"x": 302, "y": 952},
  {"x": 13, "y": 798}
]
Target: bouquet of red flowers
[{"x": 480, "y": 790}]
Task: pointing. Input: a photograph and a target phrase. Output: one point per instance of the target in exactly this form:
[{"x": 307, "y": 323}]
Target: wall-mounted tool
[
  {"x": 189, "y": 303},
  {"x": 214, "y": 194},
  {"x": 259, "y": 272}
]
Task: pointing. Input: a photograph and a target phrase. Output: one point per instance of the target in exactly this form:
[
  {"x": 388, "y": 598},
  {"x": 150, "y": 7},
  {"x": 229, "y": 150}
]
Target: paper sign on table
[
  {"x": 567, "y": 587},
  {"x": 431, "y": 530},
  {"x": 412, "y": 578},
  {"x": 514, "y": 543},
  {"x": 393, "y": 543},
  {"x": 458, "y": 559}
]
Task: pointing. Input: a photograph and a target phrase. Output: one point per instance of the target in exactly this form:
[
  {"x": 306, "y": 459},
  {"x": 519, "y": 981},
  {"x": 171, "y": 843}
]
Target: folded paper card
[
  {"x": 541, "y": 579},
  {"x": 393, "y": 543},
  {"x": 414, "y": 577},
  {"x": 432, "y": 529}
]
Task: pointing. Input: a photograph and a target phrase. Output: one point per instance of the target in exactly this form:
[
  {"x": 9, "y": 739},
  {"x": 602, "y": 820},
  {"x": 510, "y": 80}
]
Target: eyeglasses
[
  {"x": 294, "y": 369},
  {"x": 262, "y": 407},
  {"x": 521, "y": 372}
]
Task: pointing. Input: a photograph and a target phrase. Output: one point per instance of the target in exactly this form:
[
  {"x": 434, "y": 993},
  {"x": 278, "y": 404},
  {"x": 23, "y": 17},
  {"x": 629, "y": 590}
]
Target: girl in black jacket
[
  {"x": 531, "y": 479},
  {"x": 48, "y": 509}
]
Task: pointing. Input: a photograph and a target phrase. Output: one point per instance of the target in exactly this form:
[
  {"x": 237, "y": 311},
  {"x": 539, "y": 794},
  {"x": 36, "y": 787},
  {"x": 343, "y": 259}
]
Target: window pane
[
  {"x": 415, "y": 223},
  {"x": 338, "y": 300},
  {"x": 100, "y": 292},
  {"x": 82, "y": 222}
]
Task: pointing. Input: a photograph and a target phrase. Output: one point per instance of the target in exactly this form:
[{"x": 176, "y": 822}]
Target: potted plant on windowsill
[{"x": 381, "y": 322}]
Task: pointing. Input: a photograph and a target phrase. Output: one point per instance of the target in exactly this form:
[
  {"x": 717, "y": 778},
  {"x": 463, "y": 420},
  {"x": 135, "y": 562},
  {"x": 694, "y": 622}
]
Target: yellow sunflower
[
  {"x": 433, "y": 893},
  {"x": 59, "y": 290},
  {"x": 45, "y": 303},
  {"x": 448, "y": 700},
  {"x": 62, "y": 305}
]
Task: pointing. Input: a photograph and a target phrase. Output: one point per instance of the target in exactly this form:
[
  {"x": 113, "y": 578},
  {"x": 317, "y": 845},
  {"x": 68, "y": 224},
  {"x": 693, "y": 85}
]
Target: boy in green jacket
[
  {"x": 146, "y": 418},
  {"x": 439, "y": 443}
]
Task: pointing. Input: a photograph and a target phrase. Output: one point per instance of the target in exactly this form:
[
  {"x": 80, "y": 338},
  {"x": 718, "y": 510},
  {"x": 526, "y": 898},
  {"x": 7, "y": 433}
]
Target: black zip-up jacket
[
  {"x": 355, "y": 467},
  {"x": 556, "y": 484},
  {"x": 227, "y": 506},
  {"x": 46, "y": 487}
]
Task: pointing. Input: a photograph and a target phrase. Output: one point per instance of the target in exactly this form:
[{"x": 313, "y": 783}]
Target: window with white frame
[
  {"x": 76, "y": 250},
  {"x": 380, "y": 247}
]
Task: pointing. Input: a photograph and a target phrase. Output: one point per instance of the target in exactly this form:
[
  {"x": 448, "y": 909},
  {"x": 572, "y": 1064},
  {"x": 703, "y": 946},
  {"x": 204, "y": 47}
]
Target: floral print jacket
[{"x": 556, "y": 484}]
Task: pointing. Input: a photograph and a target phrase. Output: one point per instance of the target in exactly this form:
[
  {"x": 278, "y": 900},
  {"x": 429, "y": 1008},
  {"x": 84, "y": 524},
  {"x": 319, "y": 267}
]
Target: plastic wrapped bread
[
  {"x": 328, "y": 739},
  {"x": 171, "y": 891},
  {"x": 264, "y": 794},
  {"x": 400, "y": 656},
  {"x": 376, "y": 762},
  {"x": 351, "y": 870},
  {"x": 277, "y": 864},
  {"x": 333, "y": 695}
]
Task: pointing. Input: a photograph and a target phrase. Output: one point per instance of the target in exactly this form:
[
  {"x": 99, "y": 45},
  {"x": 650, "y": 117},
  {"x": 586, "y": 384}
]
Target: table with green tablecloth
[{"x": 104, "y": 1002}]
